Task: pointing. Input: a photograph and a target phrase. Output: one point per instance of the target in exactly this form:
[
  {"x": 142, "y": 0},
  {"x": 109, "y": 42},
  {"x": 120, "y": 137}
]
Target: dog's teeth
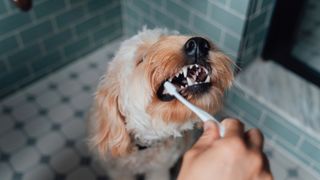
[
  {"x": 185, "y": 71},
  {"x": 165, "y": 91},
  {"x": 207, "y": 79},
  {"x": 206, "y": 70},
  {"x": 181, "y": 87},
  {"x": 190, "y": 81}
]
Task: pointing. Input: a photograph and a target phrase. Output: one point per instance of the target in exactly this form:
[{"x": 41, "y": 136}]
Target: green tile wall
[
  {"x": 57, "y": 32},
  {"x": 258, "y": 19},
  {"x": 224, "y": 23},
  {"x": 52, "y": 34}
]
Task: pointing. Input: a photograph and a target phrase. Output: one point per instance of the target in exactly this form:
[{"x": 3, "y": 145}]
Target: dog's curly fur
[{"x": 127, "y": 110}]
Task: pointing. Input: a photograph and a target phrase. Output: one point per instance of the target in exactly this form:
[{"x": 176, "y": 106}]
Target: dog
[{"x": 137, "y": 127}]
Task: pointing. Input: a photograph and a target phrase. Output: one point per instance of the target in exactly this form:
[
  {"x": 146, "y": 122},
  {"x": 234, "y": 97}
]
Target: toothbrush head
[{"x": 170, "y": 88}]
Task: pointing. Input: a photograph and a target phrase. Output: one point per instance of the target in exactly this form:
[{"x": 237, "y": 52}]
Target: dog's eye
[{"x": 139, "y": 62}]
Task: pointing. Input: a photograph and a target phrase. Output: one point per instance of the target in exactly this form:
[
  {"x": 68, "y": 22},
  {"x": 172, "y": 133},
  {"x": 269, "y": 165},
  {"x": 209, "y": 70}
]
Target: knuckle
[
  {"x": 238, "y": 143},
  {"x": 232, "y": 122},
  {"x": 235, "y": 147},
  {"x": 256, "y": 132},
  {"x": 190, "y": 154}
]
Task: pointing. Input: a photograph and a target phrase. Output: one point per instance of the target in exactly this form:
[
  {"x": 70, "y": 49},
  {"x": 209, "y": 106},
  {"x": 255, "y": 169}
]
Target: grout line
[
  {"x": 295, "y": 159},
  {"x": 259, "y": 6},
  {"x": 67, "y": 3},
  {"x": 211, "y": 21},
  {"x": 262, "y": 118},
  {"x": 261, "y": 11},
  {"x": 230, "y": 10},
  {"x": 299, "y": 143},
  {"x": 276, "y": 110},
  {"x": 194, "y": 29},
  {"x": 53, "y": 21},
  {"x": 222, "y": 38},
  {"x": 31, "y": 77},
  {"x": 6, "y": 63}
]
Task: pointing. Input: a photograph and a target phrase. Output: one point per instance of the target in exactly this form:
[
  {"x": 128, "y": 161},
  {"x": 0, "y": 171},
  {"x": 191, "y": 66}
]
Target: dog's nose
[{"x": 196, "y": 48}]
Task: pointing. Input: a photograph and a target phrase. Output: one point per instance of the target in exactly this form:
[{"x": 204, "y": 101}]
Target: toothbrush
[{"x": 204, "y": 116}]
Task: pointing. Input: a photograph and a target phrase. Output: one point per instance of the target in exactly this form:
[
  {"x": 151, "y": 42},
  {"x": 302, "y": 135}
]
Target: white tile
[
  {"x": 90, "y": 77},
  {"x": 25, "y": 159},
  {"x": 5, "y": 171},
  {"x": 37, "y": 88},
  {"x": 303, "y": 174},
  {"x": 48, "y": 99},
  {"x": 38, "y": 126},
  {"x": 79, "y": 66},
  {"x": 12, "y": 141},
  {"x": 82, "y": 147},
  {"x": 69, "y": 88},
  {"x": 82, "y": 100},
  {"x": 25, "y": 111},
  {"x": 74, "y": 129},
  {"x": 59, "y": 77},
  {"x": 50, "y": 143},
  {"x": 6, "y": 123},
  {"x": 97, "y": 167},
  {"x": 60, "y": 113},
  {"x": 102, "y": 65},
  {"x": 41, "y": 172},
  {"x": 82, "y": 173},
  {"x": 64, "y": 161},
  {"x": 277, "y": 170},
  {"x": 14, "y": 99},
  {"x": 280, "y": 164},
  {"x": 282, "y": 160}
]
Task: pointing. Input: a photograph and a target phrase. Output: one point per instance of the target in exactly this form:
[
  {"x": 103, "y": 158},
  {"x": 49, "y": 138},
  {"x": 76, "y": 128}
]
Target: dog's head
[{"x": 131, "y": 97}]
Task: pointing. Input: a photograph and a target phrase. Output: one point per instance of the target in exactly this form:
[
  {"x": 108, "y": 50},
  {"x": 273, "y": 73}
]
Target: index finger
[
  {"x": 233, "y": 127},
  {"x": 210, "y": 134}
]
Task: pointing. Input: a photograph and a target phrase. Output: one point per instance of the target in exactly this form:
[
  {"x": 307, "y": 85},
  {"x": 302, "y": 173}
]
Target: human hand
[{"x": 237, "y": 156}]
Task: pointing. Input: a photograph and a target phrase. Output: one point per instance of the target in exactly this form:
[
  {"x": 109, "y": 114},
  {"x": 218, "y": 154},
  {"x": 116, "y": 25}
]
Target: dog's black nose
[{"x": 196, "y": 48}]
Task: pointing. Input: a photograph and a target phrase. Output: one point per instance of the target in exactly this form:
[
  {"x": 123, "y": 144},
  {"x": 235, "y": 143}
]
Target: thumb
[{"x": 209, "y": 135}]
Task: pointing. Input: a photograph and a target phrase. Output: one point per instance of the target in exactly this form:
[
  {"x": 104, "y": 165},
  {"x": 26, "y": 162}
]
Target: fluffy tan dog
[{"x": 135, "y": 125}]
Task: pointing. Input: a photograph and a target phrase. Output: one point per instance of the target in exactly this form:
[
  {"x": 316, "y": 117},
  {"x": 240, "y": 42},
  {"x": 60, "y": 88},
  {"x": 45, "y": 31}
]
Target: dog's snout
[{"x": 196, "y": 48}]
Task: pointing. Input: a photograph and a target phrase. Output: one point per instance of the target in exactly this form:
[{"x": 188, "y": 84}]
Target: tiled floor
[{"x": 42, "y": 128}]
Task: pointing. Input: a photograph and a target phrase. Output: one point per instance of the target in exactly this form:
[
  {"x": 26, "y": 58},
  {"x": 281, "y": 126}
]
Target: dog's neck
[{"x": 147, "y": 133}]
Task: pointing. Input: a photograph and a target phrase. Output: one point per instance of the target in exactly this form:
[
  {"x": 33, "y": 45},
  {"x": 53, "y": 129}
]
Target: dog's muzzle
[{"x": 193, "y": 78}]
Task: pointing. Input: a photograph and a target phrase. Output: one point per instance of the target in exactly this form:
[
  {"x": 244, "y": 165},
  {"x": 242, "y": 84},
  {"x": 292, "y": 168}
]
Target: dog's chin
[{"x": 191, "y": 81}]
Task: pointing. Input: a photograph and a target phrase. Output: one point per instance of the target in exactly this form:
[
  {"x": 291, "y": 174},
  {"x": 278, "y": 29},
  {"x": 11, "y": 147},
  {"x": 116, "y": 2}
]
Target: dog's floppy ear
[{"x": 109, "y": 134}]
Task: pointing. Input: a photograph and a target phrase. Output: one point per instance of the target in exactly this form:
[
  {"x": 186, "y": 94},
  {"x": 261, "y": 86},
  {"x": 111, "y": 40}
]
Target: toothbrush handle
[{"x": 202, "y": 114}]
